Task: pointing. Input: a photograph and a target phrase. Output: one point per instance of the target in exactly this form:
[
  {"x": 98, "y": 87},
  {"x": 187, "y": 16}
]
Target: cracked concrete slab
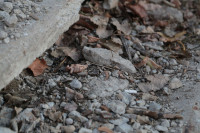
[{"x": 39, "y": 35}]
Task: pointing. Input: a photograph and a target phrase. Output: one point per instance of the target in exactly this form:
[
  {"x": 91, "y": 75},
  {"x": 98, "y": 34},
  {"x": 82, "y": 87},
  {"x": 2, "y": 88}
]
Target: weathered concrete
[{"x": 40, "y": 35}]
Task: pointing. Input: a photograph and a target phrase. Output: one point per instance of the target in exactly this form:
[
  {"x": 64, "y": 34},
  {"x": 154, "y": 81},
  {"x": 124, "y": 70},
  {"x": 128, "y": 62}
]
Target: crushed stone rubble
[
  {"x": 17, "y": 14},
  {"x": 88, "y": 84}
]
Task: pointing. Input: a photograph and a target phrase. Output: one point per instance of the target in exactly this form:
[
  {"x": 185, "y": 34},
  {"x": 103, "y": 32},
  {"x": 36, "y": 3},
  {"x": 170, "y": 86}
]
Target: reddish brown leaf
[
  {"x": 92, "y": 39},
  {"x": 76, "y": 68},
  {"x": 105, "y": 129},
  {"x": 161, "y": 23},
  {"x": 38, "y": 67},
  {"x": 138, "y": 9},
  {"x": 86, "y": 24}
]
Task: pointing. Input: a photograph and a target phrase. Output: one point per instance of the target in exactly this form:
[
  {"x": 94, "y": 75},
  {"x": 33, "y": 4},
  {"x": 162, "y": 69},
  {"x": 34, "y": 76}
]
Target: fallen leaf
[
  {"x": 102, "y": 32},
  {"x": 71, "y": 52},
  {"x": 53, "y": 115},
  {"x": 161, "y": 23},
  {"x": 86, "y": 24},
  {"x": 59, "y": 41},
  {"x": 38, "y": 67},
  {"x": 92, "y": 39},
  {"x": 110, "y": 4},
  {"x": 116, "y": 47},
  {"x": 138, "y": 9},
  {"x": 172, "y": 39},
  {"x": 125, "y": 27},
  {"x": 14, "y": 100},
  {"x": 172, "y": 116},
  {"x": 105, "y": 129},
  {"x": 107, "y": 75},
  {"x": 177, "y": 3},
  {"x": 18, "y": 110},
  {"x": 76, "y": 68},
  {"x": 99, "y": 20},
  {"x": 148, "y": 61},
  {"x": 72, "y": 93}
]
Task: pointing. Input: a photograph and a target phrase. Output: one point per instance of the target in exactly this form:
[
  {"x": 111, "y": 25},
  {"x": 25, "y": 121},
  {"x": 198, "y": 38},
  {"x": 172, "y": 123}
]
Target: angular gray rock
[
  {"x": 124, "y": 128},
  {"x": 103, "y": 88},
  {"x": 108, "y": 58},
  {"x": 76, "y": 84},
  {"x": 117, "y": 106},
  {"x": 85, "y": 130},
  {"x": 76, "y": 115},
  {"x": 11, "y": 21},
  {"x": 175, "y": 83}
]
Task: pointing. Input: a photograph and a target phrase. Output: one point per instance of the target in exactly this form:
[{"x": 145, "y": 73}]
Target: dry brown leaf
[
  {"x": 71, "y": 52},
  {"x": 116, "y": 47},
  {"x": 177, "y": 3},
  {"x": 14, "y": 100},
  {"x": 92, "y": 39},
  {"x": 74, "y": 93},
  {"x": 138, "y": 9},
  {"x": 172, "y": 116},
  {"x": 148, "y": 61},
  {"x": 124, "y": 26},
  {"x": 172, "y": 39},
  {"x": 102, "y": 32},
  {"x": 18, "y": 110},
  {"x": 53, "y": 115},
  {"x": 59, "y": 41},
  {"x": 38, "y": 67},
  {"x": 161, "y": 23},
  {"x": 110, "y": 4},
  {"x": 99, "y": 20},
  {"x": 86, "y": 24},
  {"x": 105, "y": 129},
  {"x": 107, "y": 75},
  {"x": 76, "y": 68}
]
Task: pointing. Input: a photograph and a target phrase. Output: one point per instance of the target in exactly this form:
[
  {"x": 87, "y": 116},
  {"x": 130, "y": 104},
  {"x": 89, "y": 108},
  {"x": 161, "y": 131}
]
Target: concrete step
[{"x": 39, "y": 36}]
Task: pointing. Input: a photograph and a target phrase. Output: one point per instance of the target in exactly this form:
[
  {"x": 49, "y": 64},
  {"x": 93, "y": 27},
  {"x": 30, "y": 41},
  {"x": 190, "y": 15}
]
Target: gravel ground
[{"x": 93, "y": 89}]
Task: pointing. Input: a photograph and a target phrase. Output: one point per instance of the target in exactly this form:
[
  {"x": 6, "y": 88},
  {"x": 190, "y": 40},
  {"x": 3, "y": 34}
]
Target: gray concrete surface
[{"x": 40, "y": 35}]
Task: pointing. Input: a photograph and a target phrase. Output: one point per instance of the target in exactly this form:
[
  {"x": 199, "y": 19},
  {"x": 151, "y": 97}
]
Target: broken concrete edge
[{"x": 20, "y": 53}]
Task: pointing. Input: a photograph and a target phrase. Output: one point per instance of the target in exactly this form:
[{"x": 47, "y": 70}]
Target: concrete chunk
[
  {"x": 108, "y": 58},
  {"x": 40, "y": 35}
]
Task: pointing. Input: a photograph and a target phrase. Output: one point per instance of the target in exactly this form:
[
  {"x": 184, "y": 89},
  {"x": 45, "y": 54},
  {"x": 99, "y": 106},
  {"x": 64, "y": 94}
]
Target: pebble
[
  {"x": 51, "y": 83},
  {"x": 124, "y": 128},
  {"x": 173, "y": 124},
  {"x": 119, "y": 121},
  {"x": 6, "y": 6},
  {"x": 173, "y": 62},
  {"x": 136, "y": 125},
  {"x": 6, "y": 40},
  {"x": 75, "y": 84},
  {"x": 85, "y": 130},
  {"x": 109, "y": 125},
  {"x": 11, "y": 20},
  {"x": 141, "y": 103},
  {"x": 3, "y": 15},
  {"x": 168, "y": 71},
  {"x": 161, "y": 128},
  {"x": 68, "y": 129},
  {"x": 69, "y": 121},
  {"x": 131, "y": 91},
  {"x": 175, "y": 83},
  {"x": 153, "y": 106},
  {"x": 3, "y": 35},
  {"x": 165, "y": 123},
  {"x": 117, "y": 106},
  {"x": 76, "y": 115},
  {"x": 1, "y": 100},
  {"x": 166, "y": 91}
]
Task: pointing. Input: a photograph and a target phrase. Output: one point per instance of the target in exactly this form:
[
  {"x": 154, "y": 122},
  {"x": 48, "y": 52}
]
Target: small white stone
[{"x": 6, "y": 40}]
